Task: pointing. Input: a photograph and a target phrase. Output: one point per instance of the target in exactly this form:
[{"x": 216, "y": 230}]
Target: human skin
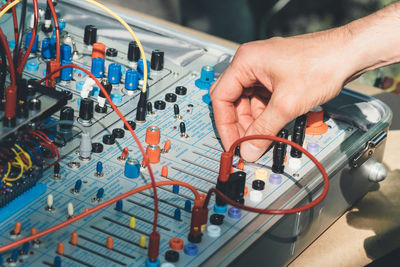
[{"x": 271, "y": 82}]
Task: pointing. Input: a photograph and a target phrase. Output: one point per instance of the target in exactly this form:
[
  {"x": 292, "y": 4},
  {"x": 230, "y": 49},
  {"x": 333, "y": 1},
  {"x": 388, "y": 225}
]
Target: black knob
[
  {"x": 108, "y": 139},
  {"x": 217, "y": 219},
  {"x": 132, "y": 124},
  {"x": 176, "y": 110},
  {"x": 90, "y": 35},
  {"x": 279, "y": 153},
  {"x": 149, "y": 108},
  {"x": 97, "y": 147},
  {"x": 181, "y": 90},
  {"x": 118, "y": 133},
  {"x": 258, "y": 185},
  {"x": 86, "y": 109},
  {"x": 133, "y": 51},
  {"x": 171, "y": 255},
  {"x": 99, "y": 109},
  {"x": 111, "y": 52},
  {"x": 35, "y": 104},
  {"x": 66, "y": 114},
  {"x": 159, "y": 104},
  {"x": 170, "y": 97},
  {"x": 299, "y": 132},
  {"x": 157, "y": 60},
  {"x": 182, "y": 128},
  {"x": 108, "y": 86}
]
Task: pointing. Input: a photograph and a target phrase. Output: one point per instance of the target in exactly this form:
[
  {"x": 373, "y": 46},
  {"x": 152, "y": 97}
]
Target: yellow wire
[
  {"x": 27, "y": 156},
  {"x": 129, "y": 29},
  {"x": 8, "y": 172},
  {"x": 20, "y": 163},
  {"x": 9, "y": 7}
]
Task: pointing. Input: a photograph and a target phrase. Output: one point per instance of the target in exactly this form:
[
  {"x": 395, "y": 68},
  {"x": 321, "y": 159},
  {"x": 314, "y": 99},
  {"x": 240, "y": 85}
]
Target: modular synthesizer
[{"x": 65, "y": 151}]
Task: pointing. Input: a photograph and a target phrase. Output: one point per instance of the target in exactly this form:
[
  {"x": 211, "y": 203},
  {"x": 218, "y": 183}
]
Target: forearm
[{"x": 373, "y": 41}]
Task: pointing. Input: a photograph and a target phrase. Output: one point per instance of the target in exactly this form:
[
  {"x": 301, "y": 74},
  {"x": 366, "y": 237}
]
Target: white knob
[
  {"x": 70, "y": 209},
  {"x": 50, "y": 201}
]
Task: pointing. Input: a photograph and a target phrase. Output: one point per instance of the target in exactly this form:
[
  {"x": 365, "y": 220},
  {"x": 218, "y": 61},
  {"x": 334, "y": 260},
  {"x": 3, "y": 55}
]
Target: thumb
[{"x": 275, "y": 116}]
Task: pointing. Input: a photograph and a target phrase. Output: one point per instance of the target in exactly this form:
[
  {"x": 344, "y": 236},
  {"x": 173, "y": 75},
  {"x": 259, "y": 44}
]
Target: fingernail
[{"x": 250, "y": 152}]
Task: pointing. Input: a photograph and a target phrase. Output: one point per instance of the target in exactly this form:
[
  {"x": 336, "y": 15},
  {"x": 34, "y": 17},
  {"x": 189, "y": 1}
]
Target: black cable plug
[{"x": 141, "y": 108}]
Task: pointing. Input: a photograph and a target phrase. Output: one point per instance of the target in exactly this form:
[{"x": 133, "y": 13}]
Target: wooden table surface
[{"x": 371, "y": 228}]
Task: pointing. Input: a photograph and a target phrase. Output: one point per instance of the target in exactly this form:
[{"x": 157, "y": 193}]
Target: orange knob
[
  {"x": 60, "y": 248},
  {"x": 153, "y": 152},
  {"x": 176, "y": 243},
  {"x": 315, "y": 122},
  {"x": 240, "y": 164},
  {"x": 109, "y": 242},
  {"x": 17, "y": 228},
  {"x": 164, "y": 171},
  {"x": 246, "y": 190},
  {"x": 167, "y": 146},
  {"x": 74, "y": 238},
  {"x": 33, "y": 231},
  {"x": 99, "y": 50},
  {"x": 153, "y": 135}
]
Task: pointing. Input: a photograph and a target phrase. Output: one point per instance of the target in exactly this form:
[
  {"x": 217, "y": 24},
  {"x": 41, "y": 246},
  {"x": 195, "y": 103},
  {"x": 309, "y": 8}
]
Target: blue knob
[
  {"x": 206, "y": 77},
  {"x": 47, "y": 49},
  {"x": 234, "y": 213},
  {"x": 99, "y": 167},
  {"x": 97, "y": 67},
  {"x": 14, "y": 255},
  {"x": 57, "y": 261},
  {"x": 114, "y": 73},
  {"x": 177, "y": 214},
  {"x": 140, "y": 68},
  {"x": 116, "y": 98},
  {"x": 175, "y": 189},
  {"x": 190, "y": 249},
  {"x": 66, "y": 73},
  {"x": 28, "y": 40},
  {"x": 78, "y": 185},
  {"x": 100, "y": 193},
  {"x": 32, "y": 66},
  {"x": 149, "y": 263},
  {"x": 61, "y": 25},
  {"x": 132, "y": 168},
  {"x": 66, "y": 52},
  {"x": 131, "y": 80},
  {"x": 119, "y": 205},
  {"x": 188, "y": 205},
  {"x": 25, "y": 248}
]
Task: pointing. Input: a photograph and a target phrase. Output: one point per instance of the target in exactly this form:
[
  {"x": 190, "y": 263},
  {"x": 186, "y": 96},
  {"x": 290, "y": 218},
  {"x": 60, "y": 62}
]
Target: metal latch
[{"x": 369, "y": 149}]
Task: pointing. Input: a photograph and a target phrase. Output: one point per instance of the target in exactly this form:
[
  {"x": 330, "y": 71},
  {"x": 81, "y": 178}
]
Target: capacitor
[
  {"x": 176, "y": 112},
  {"x": 99, "y": 169},
  {"x": 149, "y": 108},
  {"x": 47, "y": 49},
  {"x": 74, "y": 238},
  {"x": 50, "y": 203},
  {"x": 188, "y": 205},
  {"x": 133, "y": 51},
  {"x": 182, "y": 128},
  {"x": 109, "y": 242},
  {"x": 66, "y": 52},
  {"x": 100, "y": 194},
  {"x": 119, "y": 205},
  {"x": 157, "y": 60},
  {"x": 124, "y": 154},
  {"x": 75, "y": 52},
  {"x": 17, "y": 229},
  {"x": 14, "y": 256},
  {"x": 70, "y": 209},
  {"x": 90, "y": 35},
  {"x": 177, "y": 214},
  {"x": 56, "y": 171},
  {"x": 131, "y": 80},
  {"x": 86, "y": 109},
  {"x": 78, "y": 186},
  {"x": 35, "y": 43},
  {"x": 175, "y": 189},
  {"x": 167, "y": 146},
  {"x": 279, "y": 153},
  {"x": 132, "y": 168},
  {"x": 299, "y": 131},
  {"x": 97, "y": 68},
  {"x": 114, "y": 73},
  {"x": 66, "y": 73},
  {"x": 66, "y": 114},
  {"x": 25, "y": 248},
  {"x": 57, "y": 261}
]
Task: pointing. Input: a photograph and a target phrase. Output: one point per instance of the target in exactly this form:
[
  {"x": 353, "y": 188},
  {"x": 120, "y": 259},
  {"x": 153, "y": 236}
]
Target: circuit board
[{"x": 193, "y": 158}]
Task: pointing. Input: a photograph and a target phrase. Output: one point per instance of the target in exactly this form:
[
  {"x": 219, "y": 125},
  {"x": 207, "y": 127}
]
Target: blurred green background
[{"x": 247, "y": 20}]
